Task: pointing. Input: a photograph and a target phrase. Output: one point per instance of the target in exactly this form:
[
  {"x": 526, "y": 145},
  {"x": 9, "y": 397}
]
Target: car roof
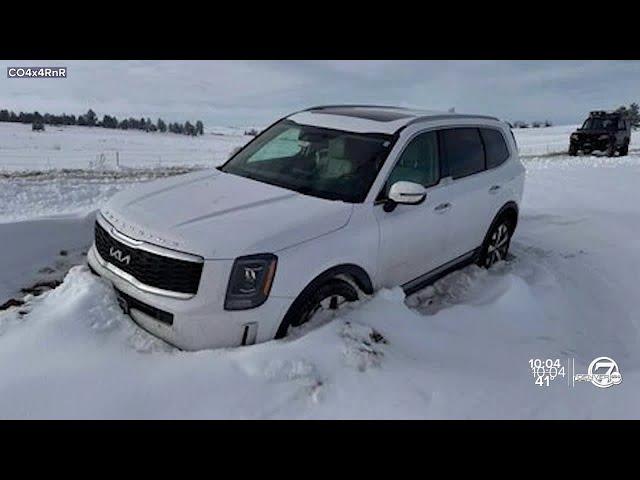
[{"x": 372, "y": 118}]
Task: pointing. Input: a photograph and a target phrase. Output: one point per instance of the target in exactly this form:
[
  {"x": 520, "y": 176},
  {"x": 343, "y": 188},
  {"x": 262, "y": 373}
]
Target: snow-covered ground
[
  {"x": 75, "y": 169},
  {"x": 551, "y": 141},
  {"x": 459, "y": 349},
  {"x": 100, "y": 148},
  {"x": 543, "y": 141}
]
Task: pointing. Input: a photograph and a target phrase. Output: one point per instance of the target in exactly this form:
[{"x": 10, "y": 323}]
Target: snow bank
[
  {"x": 74, "y": 355},
  {"x": 41, "y": 250}
]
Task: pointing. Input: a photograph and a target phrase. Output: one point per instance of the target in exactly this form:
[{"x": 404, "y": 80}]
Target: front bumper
[
  {"x": 591, "y": 144},
  {"x": 199, "y": 322}
]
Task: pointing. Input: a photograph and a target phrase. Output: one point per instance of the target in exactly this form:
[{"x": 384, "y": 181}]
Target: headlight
[
  {"x": 574, "y": 136},
  {"x": 603, "y": 137},
  {"x": 250, "y": 281}
]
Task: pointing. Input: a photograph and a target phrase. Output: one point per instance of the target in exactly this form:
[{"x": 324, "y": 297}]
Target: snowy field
[
  {"x": 459, "y": 349},
  {"x": 73, "y": 169},
  {"x": 100, "y": 148}
]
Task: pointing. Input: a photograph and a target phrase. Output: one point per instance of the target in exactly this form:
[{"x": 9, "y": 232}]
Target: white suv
[{"x": 324, "y": 206}]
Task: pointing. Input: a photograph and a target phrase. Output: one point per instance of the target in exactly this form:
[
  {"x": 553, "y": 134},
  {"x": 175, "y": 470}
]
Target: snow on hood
[{"x": 222, "y": 216}]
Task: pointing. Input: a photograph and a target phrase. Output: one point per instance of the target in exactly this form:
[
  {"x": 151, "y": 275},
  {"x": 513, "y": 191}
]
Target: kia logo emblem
[{"x": 118, "y": 255}]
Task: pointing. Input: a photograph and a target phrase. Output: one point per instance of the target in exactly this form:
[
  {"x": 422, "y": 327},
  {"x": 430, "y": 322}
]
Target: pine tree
[
  {"x": 91, "y": 118},
  {"x": 634, "y": 115}
]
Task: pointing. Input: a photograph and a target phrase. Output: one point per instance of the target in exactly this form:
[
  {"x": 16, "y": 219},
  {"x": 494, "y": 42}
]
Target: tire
[
  {"x": 611, "y": 149},
  {"x": 573, "y": 150},
  {"x": 624, "y": 150},
  {"x": 496, "y": 244},
  {"x": 328, "y": 297}
]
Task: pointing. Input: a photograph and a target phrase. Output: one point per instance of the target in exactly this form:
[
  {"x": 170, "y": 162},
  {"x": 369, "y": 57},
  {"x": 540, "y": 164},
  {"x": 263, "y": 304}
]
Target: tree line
[
  {"x": 632, "y": 113},
  {"x": 537, "y": 124},
  {"x": 90, "y": 119}
]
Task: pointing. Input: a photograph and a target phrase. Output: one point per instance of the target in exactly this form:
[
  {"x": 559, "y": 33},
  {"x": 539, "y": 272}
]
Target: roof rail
[
  {"x": 603, "y": 112},
  {"x": 323, "y": 107}
]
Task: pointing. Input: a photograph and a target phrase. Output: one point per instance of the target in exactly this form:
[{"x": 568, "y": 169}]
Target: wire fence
[
  {"x": 544, "y": 150},
  {"x": 22, "y": 160}
]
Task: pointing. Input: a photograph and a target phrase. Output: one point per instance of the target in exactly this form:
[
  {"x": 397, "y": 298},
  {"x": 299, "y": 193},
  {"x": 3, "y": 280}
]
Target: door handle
[
  {"x": 443, "y": 207},
  {"x": 494, "y": 189}
]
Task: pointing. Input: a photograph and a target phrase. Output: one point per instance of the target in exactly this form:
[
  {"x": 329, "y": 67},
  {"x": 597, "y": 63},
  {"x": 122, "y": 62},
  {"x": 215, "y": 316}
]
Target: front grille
[{"x": 149, "y": 268}]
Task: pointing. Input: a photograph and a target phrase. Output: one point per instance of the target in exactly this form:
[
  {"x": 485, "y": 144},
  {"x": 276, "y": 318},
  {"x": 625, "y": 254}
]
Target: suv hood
[{"x": 222, "y": 216}]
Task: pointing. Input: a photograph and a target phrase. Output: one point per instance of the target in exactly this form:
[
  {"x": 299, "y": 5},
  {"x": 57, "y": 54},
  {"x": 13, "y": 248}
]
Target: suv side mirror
[{"x": 406, "y": 193}]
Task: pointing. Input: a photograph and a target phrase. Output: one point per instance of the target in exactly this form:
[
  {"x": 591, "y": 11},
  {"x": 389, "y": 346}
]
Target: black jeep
[{"x": 609, "y": 132}]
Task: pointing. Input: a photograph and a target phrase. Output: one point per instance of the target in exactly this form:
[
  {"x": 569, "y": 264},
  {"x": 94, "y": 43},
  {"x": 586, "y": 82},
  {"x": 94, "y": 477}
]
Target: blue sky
[{"x": 257, "y": 92}]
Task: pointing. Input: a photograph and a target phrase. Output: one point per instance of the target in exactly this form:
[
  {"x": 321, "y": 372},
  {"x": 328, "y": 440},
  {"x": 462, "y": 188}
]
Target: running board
[{"x": 428, "y": 278}]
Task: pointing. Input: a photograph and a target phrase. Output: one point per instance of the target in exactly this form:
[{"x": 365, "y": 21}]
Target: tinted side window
[
  {"x": 462, "y": 151},
  {"x": 495, "y": 147},
  {"x": 418, "y": 162}
]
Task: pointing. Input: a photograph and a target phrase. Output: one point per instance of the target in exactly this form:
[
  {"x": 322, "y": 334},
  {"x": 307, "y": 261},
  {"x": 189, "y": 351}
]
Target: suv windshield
[
  {"x": 600, "y": 123},
  {"x": 316, "y": 161}
]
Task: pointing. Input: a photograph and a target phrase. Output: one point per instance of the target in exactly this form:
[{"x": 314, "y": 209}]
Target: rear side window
[
  {"x": 462, "y": 150},
  {"x": 495, "y": 147}
]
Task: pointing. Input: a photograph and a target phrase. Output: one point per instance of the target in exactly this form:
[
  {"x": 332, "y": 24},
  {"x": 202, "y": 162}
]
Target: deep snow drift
[{"x": 459, "y": 349}]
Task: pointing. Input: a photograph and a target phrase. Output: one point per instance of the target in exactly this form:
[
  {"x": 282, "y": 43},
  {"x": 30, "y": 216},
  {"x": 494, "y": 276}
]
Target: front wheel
[
  {"x": 321, "y": 304},
  {"x": 611, "y": 149},
  {"x": 496, "y": 245},
  {"x": 624, "y": 151},
  {"x": 573, "y": 150}
]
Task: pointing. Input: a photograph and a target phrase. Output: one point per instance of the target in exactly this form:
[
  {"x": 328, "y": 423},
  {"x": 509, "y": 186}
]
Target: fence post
[{"x": 117, "y": 159}]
